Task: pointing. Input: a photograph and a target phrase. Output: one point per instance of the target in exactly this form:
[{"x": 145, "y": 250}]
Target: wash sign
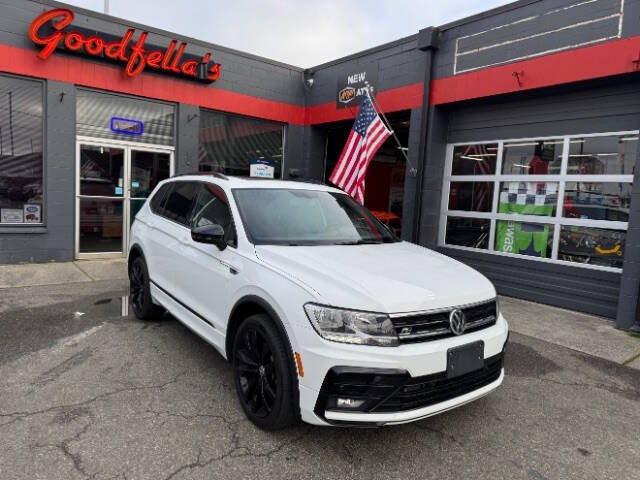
[
  {"x": 352, "y": 84},
  {"x": 526, "y": 198}
]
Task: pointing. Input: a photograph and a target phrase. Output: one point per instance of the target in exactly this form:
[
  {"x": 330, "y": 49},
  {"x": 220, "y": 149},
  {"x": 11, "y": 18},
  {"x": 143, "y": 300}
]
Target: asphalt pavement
[{"x": 88, "y": 391}]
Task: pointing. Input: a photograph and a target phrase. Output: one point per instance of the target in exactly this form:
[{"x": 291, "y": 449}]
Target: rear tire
[
  {"x": 140, "y": 291},
  {"x": 264, "y": 377}
]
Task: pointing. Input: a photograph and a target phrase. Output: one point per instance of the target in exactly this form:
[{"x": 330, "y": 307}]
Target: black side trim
[{"x": 182, "y": 304}]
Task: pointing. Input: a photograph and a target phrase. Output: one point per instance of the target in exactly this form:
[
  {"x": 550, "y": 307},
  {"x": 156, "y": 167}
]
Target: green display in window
[{"x": 525, "y": 198}]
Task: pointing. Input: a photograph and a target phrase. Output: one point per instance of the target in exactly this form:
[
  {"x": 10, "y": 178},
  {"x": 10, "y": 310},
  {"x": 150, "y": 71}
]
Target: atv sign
[{"x": 352, "y": 85}]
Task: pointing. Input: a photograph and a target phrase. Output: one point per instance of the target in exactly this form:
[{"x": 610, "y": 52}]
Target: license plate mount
[{"x": 465, "y": 358}]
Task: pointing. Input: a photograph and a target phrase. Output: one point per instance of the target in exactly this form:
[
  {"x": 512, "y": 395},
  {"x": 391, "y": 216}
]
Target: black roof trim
[
  {"x": 368, "y": 51},
  {"x": 488, "y": 13}
]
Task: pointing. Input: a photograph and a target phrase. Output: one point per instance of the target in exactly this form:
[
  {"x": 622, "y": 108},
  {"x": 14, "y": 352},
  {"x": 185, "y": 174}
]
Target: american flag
[{"x": 367, "y": 136}]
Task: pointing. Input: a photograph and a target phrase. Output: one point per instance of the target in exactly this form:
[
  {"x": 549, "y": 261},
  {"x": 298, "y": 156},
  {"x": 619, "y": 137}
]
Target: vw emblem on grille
[{"x": 457, "y": 321}]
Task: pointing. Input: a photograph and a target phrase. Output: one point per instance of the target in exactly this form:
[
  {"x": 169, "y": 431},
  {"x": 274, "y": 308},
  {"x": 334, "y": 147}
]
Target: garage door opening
[{"x": 384, "y": 191}]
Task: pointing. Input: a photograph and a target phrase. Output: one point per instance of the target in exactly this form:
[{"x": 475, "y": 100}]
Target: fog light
[{"x": 350, "y": 403}]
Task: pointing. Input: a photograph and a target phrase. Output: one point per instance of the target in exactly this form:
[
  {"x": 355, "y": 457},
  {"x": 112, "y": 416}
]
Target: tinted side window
[
  {"x": 179, "y": 202},
  {"x": 212, "y": 207},
  {"x": 158, "y": 199}
]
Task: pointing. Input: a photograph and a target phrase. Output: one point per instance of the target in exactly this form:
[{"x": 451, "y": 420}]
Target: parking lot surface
[{"x": 88, "y": 391}]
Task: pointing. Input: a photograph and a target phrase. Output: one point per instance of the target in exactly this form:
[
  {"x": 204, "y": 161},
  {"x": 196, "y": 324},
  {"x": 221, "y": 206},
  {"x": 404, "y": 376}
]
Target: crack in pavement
[
  {"x": 75, "y": 458},
  {"x": 235, "y": 448},
  {"x": 25, "y": 414}
]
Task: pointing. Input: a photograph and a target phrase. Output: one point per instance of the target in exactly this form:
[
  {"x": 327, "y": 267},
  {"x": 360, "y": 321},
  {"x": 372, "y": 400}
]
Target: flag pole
[{"x": 412, "y": 170}]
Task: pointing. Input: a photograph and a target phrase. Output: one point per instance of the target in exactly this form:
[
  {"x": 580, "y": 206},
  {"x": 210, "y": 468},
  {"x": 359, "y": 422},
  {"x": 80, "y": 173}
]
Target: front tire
[
  {"x": 140, "y": 291},
  {"x": 263, "y": 373}
]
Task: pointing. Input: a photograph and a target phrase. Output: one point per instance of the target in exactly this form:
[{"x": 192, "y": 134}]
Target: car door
[
  {"x": 171, "y": 235},
  {"x": 213, "y": 272},
  {"x": 153, "y": 236}
]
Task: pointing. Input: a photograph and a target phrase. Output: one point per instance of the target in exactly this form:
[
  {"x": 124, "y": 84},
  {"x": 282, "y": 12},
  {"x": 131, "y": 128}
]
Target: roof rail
[{"x": 203, "y": 174}]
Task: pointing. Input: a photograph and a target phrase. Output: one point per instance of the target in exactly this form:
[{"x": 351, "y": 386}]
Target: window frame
[
  {"x": 557, "y": 220},
  {"x": 220, "y": 190},
  {"x": 41, "y": 226},
  {"x": 163, "y": 212},
  {"x": 162, "y": 190}
]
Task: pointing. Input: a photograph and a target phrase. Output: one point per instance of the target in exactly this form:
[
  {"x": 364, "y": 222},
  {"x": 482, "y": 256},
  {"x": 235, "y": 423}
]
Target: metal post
[
  {"x": 106, "y": 7},
  {"x": 1, "y": 144},
  {"x": 11, "y": 121},
  {"x": 629, "y": 296}
]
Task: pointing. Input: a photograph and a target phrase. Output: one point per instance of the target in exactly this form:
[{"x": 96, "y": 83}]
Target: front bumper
[
  {"x": 397, "y": 384},
  {"x": 394, "y": 418}
]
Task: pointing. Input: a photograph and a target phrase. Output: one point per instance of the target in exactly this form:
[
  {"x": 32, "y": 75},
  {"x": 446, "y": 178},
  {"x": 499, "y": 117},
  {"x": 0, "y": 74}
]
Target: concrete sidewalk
[
  {"x": 595, "y": 336},
  {"x": 80, "y": 271},
  {"x": 577, "y": 331}
]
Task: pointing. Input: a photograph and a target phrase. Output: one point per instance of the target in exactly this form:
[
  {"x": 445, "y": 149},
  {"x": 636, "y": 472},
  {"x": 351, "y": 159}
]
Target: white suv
[{"x": 325, "y": 315}]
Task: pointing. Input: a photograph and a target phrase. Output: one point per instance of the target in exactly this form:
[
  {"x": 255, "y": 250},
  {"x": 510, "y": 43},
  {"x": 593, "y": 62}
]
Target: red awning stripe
[{"x": 63, "y": 68}]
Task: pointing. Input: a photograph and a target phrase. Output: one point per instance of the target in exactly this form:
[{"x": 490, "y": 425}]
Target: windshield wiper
[{"x": 359, "y": 242}]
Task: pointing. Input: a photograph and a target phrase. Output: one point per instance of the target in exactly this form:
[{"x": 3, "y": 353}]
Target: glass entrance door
[
  {"x": 101, "y": 199},
  {"x": 113, "y": 183}
]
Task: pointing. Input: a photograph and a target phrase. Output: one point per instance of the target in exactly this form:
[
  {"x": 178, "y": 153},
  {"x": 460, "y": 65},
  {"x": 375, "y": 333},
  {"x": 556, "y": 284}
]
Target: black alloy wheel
[
  {"x": 140, "y": 292},
  {"x": 263, "y": 374},
  {"x": 257, "y": 373}
]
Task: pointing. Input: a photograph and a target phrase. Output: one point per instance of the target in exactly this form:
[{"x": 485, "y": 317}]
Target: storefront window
[
  {"x": 477, "y": 159},
  {"x": 242, "y": 146},
  {"x": 468, "y": 232},
  {"x": 471, "y": 196},
  {"x": 577, "y": 214},
  {"x": 609, "y": 155},
  {"x": 21, "y": 159},
  {"x": 597, "y": 201},
  {"x": 595, "y": 246},
  {"x": 528, "y": 198},
  {"x": 533, "y": 239},
  {"x": 541, "y": 157}
]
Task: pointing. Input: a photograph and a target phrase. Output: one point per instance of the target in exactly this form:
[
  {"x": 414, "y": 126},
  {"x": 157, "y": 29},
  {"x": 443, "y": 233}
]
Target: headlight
[{"x": 351, "y": 326}]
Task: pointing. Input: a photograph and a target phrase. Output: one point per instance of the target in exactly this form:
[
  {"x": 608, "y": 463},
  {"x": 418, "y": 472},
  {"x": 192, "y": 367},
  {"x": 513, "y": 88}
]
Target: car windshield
[{"x": 279, "y": 216}]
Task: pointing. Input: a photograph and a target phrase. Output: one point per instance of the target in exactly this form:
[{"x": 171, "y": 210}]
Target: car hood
[{"x": 390, "y": 278}]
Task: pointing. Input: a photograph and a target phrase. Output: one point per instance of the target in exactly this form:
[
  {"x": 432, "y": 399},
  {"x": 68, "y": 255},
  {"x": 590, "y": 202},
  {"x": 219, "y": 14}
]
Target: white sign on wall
[{"x": 11, "y": 215}]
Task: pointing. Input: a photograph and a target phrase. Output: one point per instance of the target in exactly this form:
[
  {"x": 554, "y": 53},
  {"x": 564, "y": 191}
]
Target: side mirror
[{"x": 213, "y": 234}]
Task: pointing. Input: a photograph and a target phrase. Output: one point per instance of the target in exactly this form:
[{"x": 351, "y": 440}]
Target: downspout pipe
[{"x": 428, "y": 43}]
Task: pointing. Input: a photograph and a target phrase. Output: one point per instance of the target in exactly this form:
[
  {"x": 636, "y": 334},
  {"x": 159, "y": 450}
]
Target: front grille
[
  {"x": 429, "y": 326},
  {"x": 431, "y": 389},
  {"x": 396, "y": 392}
]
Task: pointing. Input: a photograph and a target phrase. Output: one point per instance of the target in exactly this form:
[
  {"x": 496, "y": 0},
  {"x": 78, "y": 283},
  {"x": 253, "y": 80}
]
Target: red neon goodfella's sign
[{"x": 124, "y": 50}]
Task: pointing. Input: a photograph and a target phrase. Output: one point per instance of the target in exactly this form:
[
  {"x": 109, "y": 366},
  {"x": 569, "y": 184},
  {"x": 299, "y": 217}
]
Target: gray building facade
[{"x": 518, "y": 132}]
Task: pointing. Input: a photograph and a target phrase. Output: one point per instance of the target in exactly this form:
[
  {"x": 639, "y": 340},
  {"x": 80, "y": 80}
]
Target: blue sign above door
[{"x": 126, "y": 126}]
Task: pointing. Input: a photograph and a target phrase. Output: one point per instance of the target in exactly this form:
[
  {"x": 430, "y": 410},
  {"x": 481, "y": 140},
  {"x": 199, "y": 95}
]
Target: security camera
[{"x": 309, "y": 82}]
